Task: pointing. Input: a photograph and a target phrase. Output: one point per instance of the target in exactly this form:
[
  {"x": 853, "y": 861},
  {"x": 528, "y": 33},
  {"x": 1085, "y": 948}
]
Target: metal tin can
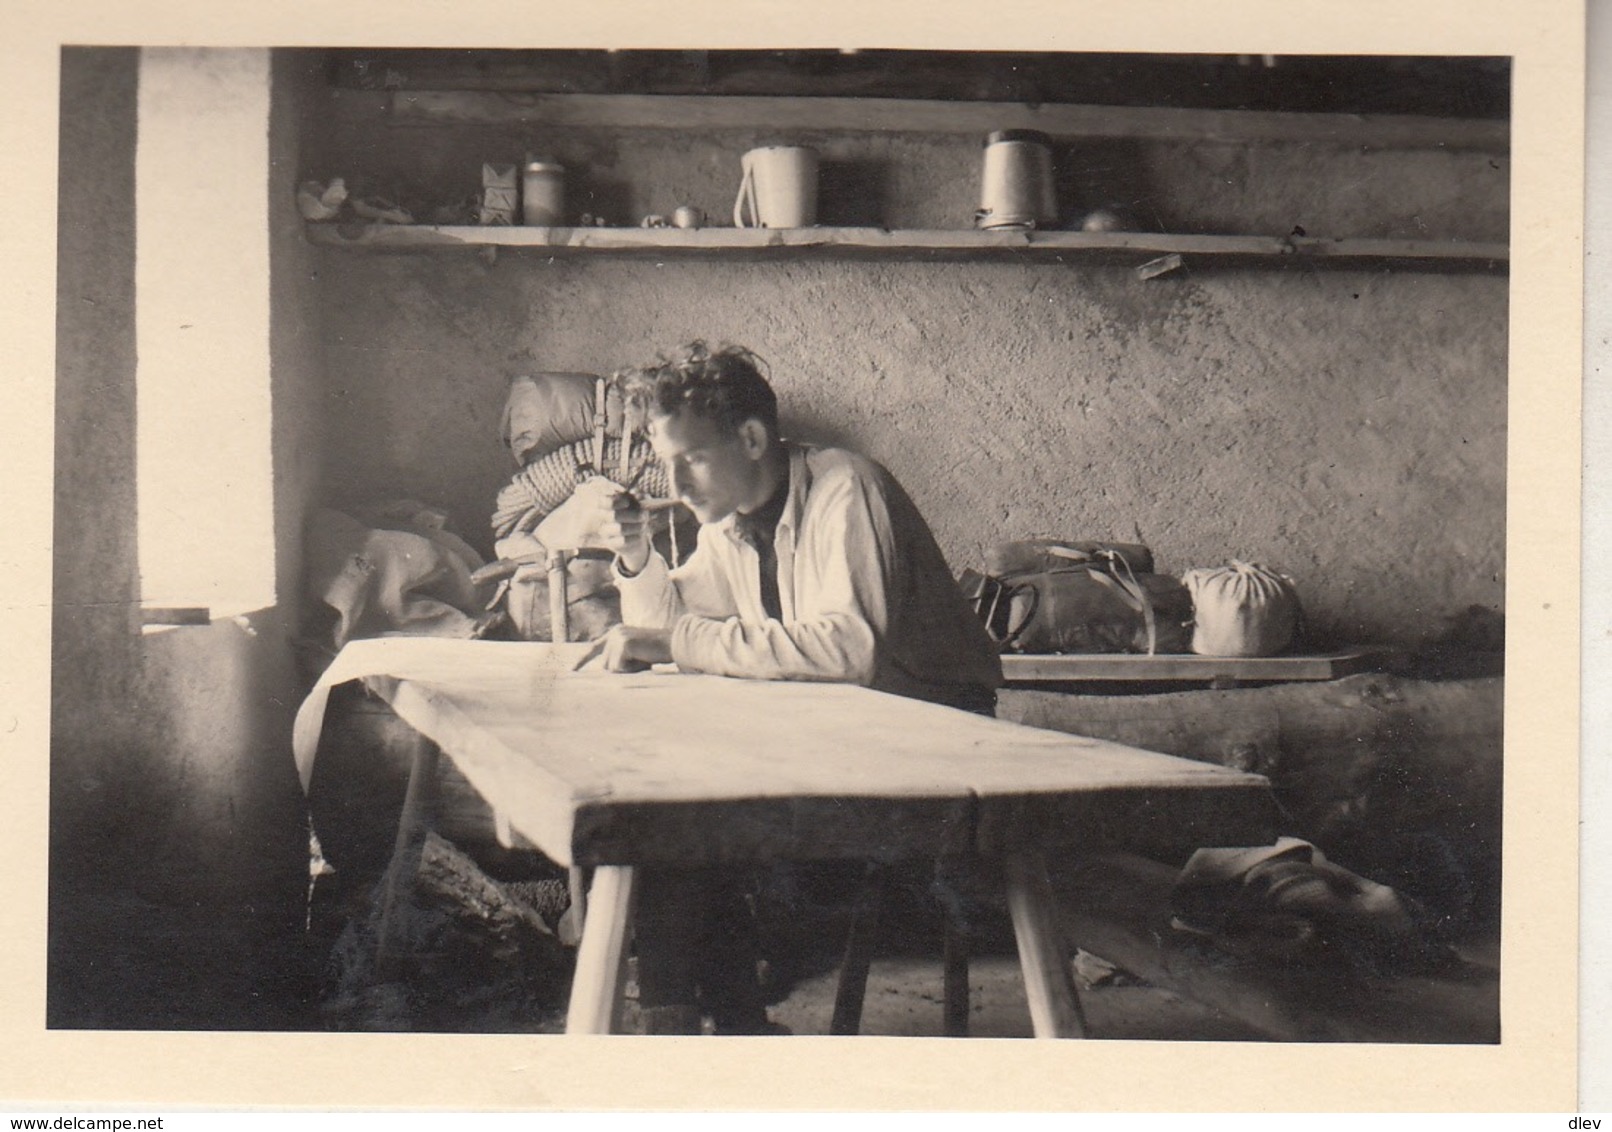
[{"x": 543, "y": 194}]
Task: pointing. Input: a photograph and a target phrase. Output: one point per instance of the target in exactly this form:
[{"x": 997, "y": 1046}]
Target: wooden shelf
[
  {"x": 1071, "y": 668},
  {"x": 1119, "y": 247}
]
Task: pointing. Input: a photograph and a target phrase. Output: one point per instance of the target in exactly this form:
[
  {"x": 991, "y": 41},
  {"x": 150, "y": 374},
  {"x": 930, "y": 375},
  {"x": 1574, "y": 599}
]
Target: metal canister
[
  {"x": 1016, "y": 183},
  {"x": 543, "y": 194}
]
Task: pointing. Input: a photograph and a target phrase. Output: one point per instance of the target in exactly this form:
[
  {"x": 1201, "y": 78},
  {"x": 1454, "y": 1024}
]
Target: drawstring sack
[{"x": 1242, "y": 610}]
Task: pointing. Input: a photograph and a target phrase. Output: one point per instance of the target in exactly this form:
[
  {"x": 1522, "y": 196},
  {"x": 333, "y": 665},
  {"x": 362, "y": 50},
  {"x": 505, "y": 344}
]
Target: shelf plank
[
  {"x": 1134, "y": 666},
  {"x": 896, "y": 115},
  {"x": 1115, "y": 246}
]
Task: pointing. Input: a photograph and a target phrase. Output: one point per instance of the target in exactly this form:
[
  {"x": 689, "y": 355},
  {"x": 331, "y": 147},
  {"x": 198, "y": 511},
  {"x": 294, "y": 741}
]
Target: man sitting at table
[{"x": 811, "y": 564}]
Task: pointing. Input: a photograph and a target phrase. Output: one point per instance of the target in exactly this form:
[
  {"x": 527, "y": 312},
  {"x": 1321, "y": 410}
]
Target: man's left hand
[{"x": 632, "y": 648}]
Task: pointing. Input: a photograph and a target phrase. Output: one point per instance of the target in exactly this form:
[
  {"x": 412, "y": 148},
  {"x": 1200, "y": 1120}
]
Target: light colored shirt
[{"x": 866, "y": 594}]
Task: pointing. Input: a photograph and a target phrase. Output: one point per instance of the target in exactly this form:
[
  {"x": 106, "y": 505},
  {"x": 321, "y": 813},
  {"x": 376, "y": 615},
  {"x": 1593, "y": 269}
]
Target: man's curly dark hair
[{"x": 725, "y": 385}]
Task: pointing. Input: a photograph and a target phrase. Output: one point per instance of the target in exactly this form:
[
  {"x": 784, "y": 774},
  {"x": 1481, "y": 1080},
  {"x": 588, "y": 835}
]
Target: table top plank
[
  {"x": 602, "y": 768},
  {"x": 665, "y": 737}
]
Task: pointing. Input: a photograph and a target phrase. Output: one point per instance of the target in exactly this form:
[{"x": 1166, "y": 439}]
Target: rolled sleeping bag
[{"x": 543, "y": 412}]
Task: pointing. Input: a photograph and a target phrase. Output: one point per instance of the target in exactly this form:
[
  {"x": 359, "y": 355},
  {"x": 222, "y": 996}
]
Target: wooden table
[{"x": 619, "y": 771}]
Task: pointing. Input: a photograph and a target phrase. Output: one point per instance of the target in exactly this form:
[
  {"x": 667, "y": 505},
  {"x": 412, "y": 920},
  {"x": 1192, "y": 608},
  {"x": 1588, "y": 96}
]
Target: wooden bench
[{"x": 1117, "y": 906}]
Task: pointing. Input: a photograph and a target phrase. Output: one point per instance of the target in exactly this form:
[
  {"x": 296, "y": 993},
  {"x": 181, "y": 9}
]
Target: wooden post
[
  {"x": 574, "y": 923},
  {"x": 599, "y": 984},
  {"x": 1048, "y": 983},
  {"x": 559, "y": 598}
]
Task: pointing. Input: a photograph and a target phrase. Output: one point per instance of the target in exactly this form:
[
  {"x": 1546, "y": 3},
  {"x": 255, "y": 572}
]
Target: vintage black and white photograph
[{"x": 833, "y": 541}]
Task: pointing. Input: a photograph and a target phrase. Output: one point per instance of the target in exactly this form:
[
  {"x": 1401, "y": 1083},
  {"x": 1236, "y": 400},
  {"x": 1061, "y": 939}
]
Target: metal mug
[
  {"x": 1016, "y": 183},
  {"x": 778, "y": 189}
]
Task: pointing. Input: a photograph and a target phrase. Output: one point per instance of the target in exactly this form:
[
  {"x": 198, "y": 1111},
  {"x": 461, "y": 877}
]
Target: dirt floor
[
  {"x": 480, "y": 962},
  {"x": 482, "y": 953},
  {"x": 904, "y": 1000}
]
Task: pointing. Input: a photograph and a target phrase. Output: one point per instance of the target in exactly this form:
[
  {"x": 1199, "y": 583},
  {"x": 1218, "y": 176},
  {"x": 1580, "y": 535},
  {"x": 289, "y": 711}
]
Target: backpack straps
[{"x": 1119, "y": 576}]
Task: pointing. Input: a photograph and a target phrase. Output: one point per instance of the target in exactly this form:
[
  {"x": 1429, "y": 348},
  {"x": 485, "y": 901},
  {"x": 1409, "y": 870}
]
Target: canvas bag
[
  {"x": 545, "y": 412},
  {"x": 1242, "y": 609},
  {"x": 1078, "y": 597},
  {"x": 1101, "y": 610}
]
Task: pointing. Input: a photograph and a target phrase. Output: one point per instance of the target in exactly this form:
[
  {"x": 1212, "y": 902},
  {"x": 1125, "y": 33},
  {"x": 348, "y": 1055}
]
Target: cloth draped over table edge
[{"x": 429, "y": 660}]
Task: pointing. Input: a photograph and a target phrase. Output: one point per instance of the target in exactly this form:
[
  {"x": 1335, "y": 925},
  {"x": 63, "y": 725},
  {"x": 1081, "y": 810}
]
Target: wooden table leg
[
  {"x": 954, "y": 962},
  {"x": 412, "y": 826},
  {"x": 852, "y": 987},
  {"x": 1048, "y": 982},
  {"x": 575, "y": 917},
  {"x": 601, "y": 973}
]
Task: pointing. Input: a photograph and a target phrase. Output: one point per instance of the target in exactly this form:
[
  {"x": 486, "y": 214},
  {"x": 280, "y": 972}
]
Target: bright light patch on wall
[{"x": 206, "y": 490}]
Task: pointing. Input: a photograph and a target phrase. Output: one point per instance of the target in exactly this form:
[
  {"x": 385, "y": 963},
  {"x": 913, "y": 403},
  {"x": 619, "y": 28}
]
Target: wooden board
[
  {"x": 1113, "y": 247},
  {"x": 1134, "y": 666},
  {"x": 598, "y": 768}
]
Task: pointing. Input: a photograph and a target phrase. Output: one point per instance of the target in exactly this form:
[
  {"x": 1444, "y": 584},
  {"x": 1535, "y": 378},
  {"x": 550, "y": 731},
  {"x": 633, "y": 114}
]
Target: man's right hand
[{"x": 625, "y": 530}]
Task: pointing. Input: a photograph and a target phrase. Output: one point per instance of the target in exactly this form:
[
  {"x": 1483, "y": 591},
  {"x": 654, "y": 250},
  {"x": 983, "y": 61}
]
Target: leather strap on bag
[
  {"x": 601, "y": 416},
  {"x": 1119, "y": 577},
  {"x": 1006, "y": 593},
  {"x": 992, "y": 597},
  {"x": 1112, "y": 569}
]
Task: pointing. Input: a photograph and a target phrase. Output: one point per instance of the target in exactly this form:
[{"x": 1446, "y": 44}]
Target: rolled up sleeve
[{"x": 648, "y": 598}]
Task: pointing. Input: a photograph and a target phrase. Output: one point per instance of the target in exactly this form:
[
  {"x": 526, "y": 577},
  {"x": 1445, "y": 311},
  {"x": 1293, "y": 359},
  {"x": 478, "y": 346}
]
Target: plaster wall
[
  {"x": 95, "y": 634},
  {"x": 177, "y": 822},
  {"x": 1346, "y": 426}
]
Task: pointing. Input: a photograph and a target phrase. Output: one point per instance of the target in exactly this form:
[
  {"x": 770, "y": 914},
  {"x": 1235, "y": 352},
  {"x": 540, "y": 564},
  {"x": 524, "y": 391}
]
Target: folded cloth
[
  {"x": 1281, "y": 899},
  {"x": 414, "y": 581}
]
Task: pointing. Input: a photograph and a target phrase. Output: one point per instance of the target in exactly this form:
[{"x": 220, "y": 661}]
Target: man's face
[{"x": 715, "y": 471}]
